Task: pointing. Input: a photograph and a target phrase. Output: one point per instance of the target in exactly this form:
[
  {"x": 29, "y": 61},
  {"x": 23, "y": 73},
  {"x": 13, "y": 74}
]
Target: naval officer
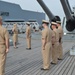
[
  {"x": 46, "y": 45},
  {"x": 15, "y": 35},
  {"x": 55, "y": 43},
  {"x": 60, "y": 50},
  {"x": 28, "y": 36},
  {"x": 4, "y": 46}
]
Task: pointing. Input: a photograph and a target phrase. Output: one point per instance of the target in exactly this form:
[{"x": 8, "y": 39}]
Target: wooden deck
[{"x": 28, "y": 62}]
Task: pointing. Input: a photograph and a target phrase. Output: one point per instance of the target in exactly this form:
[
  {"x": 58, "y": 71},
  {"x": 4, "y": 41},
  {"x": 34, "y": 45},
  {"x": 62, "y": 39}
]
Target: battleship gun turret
[
  {"x": 70, "y": 20},
  {"x": 48, "y": 12}
]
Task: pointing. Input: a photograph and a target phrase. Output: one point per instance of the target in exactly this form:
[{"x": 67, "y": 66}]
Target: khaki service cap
[
  {"x": 53, "y": 23},
  {"x": 45, "y": 21},
  {"x": 27, "y": 23}
]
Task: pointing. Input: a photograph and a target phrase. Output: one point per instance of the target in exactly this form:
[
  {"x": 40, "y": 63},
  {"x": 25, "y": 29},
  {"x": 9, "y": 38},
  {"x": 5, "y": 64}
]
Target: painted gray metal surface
[
  {"x": 46, "y": 9},
  {"x": 66, "y": 9},
  {"x": 69, "y": 6}
]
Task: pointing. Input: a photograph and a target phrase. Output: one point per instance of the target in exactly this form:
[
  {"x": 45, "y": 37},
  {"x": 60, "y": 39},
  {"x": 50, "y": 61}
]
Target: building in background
[{"x": 11, "y": 11}]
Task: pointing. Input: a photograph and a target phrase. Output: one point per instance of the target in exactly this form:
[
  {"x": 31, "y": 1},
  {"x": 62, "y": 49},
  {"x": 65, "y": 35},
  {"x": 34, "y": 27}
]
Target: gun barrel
[
  {"x": 45, "y": 8},
  {"x": 69, "y": 6},
  {"x": 66, "y": 9}
]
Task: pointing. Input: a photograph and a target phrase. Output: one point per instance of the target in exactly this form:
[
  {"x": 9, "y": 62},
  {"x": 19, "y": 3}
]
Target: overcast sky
[{"x": 54, "y": 5}]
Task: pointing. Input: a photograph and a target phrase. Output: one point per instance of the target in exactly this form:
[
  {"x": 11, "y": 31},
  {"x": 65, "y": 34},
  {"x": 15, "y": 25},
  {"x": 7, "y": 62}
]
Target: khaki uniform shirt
[
  {"x": 3, "y": 35},
  {"x": 60, "y": 32},
  {"x": 15, "y": 31},
  {"x": 28, "y": 31},
  {"x": 57, "y": 34},
  {"x": 47, "y": 35},
  {"x": 53, "y": 37}
]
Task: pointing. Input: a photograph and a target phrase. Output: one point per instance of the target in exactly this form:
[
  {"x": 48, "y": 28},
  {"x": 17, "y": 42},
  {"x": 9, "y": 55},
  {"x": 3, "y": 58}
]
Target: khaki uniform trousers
[
  {"x": 46, "y": 54},
  {"x": 15, "y": 37},
  {"x": 29, "y": 42},
  {"x": 2, "y": 59},
  {"x": 54, "y": 53},
  {"x": 60, "y": 51}
]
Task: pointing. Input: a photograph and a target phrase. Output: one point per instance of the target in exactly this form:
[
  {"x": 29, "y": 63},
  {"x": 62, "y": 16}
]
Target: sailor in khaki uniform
[
  {"x": 60, "y": 51},
  {"x": 4, "y": 47},
  {"x": 15, "y": 35},
  {"x": 46, "y": 45},
  {"x": 28, "y": 36},
  {"x": 55, "y": 43}
]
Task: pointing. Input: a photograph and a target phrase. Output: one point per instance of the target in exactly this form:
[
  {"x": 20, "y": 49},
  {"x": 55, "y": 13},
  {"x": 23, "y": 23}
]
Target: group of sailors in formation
[
  {"x": 51, "y": 43},
  {"x": 52, "y": 50}
]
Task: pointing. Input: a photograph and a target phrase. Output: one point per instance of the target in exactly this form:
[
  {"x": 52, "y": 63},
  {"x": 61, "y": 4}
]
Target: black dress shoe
[
  {"x": 59, "y": 59},
  {"x": 44, "y": 69},
  {"x": 28, "y": 48},
  {"x": 53, "y": 63}
]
